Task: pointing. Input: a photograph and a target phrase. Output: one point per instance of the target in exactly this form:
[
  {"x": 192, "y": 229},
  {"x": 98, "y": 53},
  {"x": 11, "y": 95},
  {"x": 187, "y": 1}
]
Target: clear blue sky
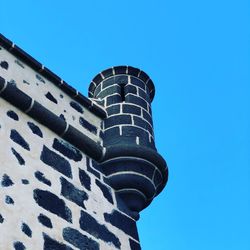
[{"x": 197, "y": 52}]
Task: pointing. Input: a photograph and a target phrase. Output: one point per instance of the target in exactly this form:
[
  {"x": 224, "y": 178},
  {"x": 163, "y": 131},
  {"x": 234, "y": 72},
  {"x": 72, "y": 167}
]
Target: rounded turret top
[{"x": 122, "y": 70}]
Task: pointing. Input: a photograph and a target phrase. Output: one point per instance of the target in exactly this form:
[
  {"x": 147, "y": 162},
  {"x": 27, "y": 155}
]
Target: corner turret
[{"x": 131, "y": 162}]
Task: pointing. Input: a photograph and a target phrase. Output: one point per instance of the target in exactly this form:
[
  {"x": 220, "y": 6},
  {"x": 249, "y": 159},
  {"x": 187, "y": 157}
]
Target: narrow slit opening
[{"x": 122, "y": 93}]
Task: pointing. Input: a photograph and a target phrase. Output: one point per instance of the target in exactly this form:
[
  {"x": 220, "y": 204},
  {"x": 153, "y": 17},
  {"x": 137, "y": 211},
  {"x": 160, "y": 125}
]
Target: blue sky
[{"x": 198, "y": 55}]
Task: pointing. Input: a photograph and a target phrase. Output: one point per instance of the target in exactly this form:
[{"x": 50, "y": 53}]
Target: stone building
[{"x": 74, "y": 171}]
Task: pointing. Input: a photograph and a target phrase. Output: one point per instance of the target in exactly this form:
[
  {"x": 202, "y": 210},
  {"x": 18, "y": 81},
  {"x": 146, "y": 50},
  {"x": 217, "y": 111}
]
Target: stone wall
[
  {"x": 51, "y": 196},
  {"x": 74, "y": 171}
]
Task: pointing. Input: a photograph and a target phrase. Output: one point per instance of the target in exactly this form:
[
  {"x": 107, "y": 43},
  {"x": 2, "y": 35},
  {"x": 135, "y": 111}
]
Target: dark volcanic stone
[
  {"x": 67, "y": 150},
  {"x": 4, "y": 65},
  {"x": 62, "y": 117},
  {"x": 97, "y": 166},
  {"x": 105, "y": 190},
  {"x": 122, "y": 222},
  {"x": 35, "y": 129},
  {"x": 131, "y": 109},
  {"x": 51, "y": 244},
  {"x": 38, "y": 77},
  {"x": 91, "y": 170},
  {"x": 115, "y": 109},
  {"x": 25, "y": 181},
  {"x": 19, "y": 245},
  {"x": 90, "y": 225},
  {"x": 117, "y": 120},
  {"x": 13, "y": 115},
  {"x": 40, "y": 176},
  {"x": 9, "y": 200},
  {"x": 43, "y": 219},
  {"x": 70, "y": 192},
  {"x": 1, "y": 219},
  {"x": 6, "y": 181},
  {"x": 26, "y": 229},
  {"x": 18, "y": 156},
  {"x": 134, "y": 245},
  {"x": 17, "y": 138},
  {"x": 51, "y": 97},
  {"x": 84, "y": 179},
  {"x": 76, "y": 106},
  {"x": 79, "y": 240},
  {"x": 53, "y": 204},
  {"x": 56, "y": 161},
  {"x": 91, "y": 128}
]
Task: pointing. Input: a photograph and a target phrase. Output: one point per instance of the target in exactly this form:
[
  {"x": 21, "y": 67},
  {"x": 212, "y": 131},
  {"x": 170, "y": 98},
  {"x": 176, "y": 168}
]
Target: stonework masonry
[{"x": 74, "y": 171}]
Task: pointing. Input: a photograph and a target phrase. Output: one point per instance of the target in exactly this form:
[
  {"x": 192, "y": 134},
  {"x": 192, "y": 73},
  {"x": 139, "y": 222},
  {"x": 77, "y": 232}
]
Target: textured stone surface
[
  {"x": 26, "y": 229},
  {"x": 56, "y": 161},
  {"x": 67, "y": 150},
  {"x": 71, "y": 205},
  {"x": 53, "y": 204},
  {"x": 87, "y": 125},
  {"x": 122, "y": 222},
  {"x": 54, "y": 198},
  {"x": 19, "y": 245},
  {"x": 134, "y": 245},
  {"x": 1, "y": 219},
  {"x": 9, "y": 200},
  {"x": 35, "y": 129},
  {"x": 6, "y": 181},
  {"x": 40, "y": 176},
  {"x": 84, "y": 179},
  {"x": 36, "y": 85},
  {"x": 70, "y": 192},
  {"x": 79, "y": 240},
  {"x": 52, "y": 244},
  {"x": 127, "y": 93},
  {"x": 25, "y": 181},
  {"x": 17, "y": 138},
  {"x": 4, "y": 65},
  {"x": 43, "y": 219},
  {"x": 51, "y": 97},
  {"x": 76, "y": 106},
  {"x": 20, "y": 159},
  {"x": 100, "y": 231},
  {"x": 13, "y": 115},
  {"x": 106, "y": 190}
]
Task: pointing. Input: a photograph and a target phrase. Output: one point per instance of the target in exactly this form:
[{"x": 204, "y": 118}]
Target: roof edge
[{"x": 55, "y": 79}]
